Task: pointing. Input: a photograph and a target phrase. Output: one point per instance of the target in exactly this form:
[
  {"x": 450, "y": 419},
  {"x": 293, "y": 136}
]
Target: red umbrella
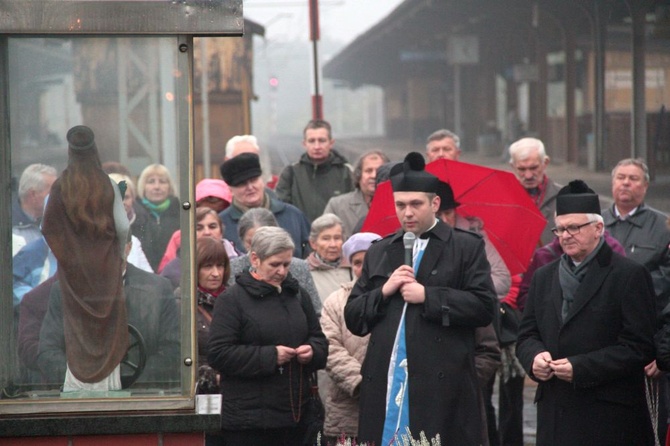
[
  {"x": 511, "y": 220},
  {"x": 381, "y": 218}
]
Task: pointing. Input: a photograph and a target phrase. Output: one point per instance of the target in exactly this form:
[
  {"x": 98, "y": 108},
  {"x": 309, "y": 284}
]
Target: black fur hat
[{"x": 241, "y": 168}]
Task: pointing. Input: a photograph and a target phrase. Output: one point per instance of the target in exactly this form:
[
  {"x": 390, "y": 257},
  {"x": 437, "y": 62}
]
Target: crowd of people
[{"x": 402, "y": 332}]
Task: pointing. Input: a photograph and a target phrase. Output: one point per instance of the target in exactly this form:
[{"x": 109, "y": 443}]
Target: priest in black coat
[{"x": 449, "y": 296}]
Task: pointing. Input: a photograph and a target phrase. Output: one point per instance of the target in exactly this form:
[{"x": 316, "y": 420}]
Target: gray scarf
[{"x": 570, "y": 276}]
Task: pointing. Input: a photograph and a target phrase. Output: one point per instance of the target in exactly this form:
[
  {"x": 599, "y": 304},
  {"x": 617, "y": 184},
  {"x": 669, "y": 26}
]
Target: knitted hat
[
  {"x": 358, "y": 242},
  {"x": 241, "y": 168},
  {"x": 577, "y": 198},
  {"x": 410, "y": 176},
  {"x": 211, "y": 187}
]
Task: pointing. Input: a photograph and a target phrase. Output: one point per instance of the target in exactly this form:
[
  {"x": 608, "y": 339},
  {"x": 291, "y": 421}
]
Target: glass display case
[{"x": 78, "y": 307}]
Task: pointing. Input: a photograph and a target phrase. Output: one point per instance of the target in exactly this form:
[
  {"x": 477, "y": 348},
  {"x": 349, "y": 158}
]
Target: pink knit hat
[{"x": 210, "y": 187}]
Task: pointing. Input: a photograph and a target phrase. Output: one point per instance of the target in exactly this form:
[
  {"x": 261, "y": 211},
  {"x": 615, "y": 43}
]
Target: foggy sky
[
  {"x": 286, "y": 54},
  {"x": 341, "y": 20}
]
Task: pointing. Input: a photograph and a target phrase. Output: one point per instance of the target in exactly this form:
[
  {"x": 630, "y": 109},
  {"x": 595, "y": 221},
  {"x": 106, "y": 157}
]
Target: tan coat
[
  {"x": 327, "y": 281},
  {"x": 350, "y": 207},
  {"x": 345, "y": 356}
]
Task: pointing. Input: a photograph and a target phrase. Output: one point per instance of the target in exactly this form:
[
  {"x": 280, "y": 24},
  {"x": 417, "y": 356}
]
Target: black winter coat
[
  {"x": 444, "y": 395},
  {"x": 608, "y": 338},
  {"x": 250, "y": 319},
  {"x": 662, "y": 341},
  {"x": 153, "y": 232}
]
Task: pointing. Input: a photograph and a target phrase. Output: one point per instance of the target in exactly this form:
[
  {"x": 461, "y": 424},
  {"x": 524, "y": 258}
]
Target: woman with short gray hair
[
  {"x": 326, "y": 221},
  {"x": 269, "y": 241},
  {"x": 328, "y": 269},
  {"x": 265, "y": 341}
]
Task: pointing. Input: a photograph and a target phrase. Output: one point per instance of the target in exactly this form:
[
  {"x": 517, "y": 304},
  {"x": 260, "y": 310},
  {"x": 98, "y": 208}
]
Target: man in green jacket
[{"x": 321, "y": 172}]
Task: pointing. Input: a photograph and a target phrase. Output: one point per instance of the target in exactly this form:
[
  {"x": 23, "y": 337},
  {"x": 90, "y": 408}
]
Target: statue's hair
[{"x": 88, "y": 194}]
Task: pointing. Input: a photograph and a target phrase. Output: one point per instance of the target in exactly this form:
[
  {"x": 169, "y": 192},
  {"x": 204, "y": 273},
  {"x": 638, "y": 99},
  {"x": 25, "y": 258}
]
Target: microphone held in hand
[{"x": 408, "y": 241}]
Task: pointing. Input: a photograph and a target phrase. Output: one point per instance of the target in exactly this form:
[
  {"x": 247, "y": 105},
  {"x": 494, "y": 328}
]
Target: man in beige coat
[{"x": 353, "y": 206}]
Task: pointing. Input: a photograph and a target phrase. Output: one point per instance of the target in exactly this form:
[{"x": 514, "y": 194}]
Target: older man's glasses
[{"x": 571, "y": 230}]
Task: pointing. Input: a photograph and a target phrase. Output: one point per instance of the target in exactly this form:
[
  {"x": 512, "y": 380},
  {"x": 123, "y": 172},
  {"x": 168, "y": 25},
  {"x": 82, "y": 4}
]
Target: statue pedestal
[
  {"x": 95, "y": 394},
  {"x": 140, "y": 428}
]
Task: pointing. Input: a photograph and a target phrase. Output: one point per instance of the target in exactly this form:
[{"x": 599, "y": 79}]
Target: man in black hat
[
  {"x": 587, "y": 333},
  {"x": 422, "y": 323},
  {"x": 243, "y": 175}
]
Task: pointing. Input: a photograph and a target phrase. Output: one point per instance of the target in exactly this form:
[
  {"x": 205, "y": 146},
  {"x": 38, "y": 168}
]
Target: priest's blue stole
[{"x": 397, "y": 395}]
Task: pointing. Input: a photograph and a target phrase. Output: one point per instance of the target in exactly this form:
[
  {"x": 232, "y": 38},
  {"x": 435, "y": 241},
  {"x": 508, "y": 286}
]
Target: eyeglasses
[{"x": 571, "y": 230}]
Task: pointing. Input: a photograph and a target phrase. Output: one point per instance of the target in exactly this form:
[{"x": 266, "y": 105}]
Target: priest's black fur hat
[{"x": 411, "y": 176}]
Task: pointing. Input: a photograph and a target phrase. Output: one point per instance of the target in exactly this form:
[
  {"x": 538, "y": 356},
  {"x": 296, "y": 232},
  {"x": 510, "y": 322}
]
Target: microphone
[{"x": 408, "y": 241}]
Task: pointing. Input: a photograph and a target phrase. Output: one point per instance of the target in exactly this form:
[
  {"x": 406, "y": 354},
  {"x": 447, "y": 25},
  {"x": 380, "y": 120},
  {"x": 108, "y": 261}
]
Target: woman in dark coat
[
  {"x": 213, "y": 271},
  {"x": 265, "y": 341},
  {"x": 213, "y": 268},
  {"x": 157, "y": 210}
]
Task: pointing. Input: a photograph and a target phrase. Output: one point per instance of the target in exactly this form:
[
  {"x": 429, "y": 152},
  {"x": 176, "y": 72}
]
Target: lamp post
[{"x": 317, "y": 99}]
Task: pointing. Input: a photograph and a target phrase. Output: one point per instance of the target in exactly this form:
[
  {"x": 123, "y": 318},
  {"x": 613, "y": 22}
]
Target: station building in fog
[{"x": 590, "y": 78}]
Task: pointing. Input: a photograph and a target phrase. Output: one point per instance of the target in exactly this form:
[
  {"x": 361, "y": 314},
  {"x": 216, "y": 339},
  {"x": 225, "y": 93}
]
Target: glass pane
[
  {"x": 92, "y": 316},
  {"x": 121, "y": 17}
]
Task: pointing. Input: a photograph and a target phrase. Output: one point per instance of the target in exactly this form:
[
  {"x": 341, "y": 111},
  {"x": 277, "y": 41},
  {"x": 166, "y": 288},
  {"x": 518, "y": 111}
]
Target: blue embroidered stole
[{"x": 397, "y": 395}]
